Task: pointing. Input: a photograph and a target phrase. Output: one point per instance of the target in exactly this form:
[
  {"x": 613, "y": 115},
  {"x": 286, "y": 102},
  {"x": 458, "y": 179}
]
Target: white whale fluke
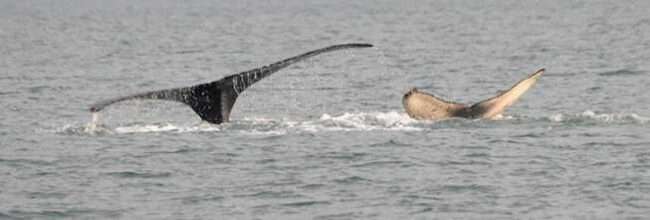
[{"x": 424, "y": 106}]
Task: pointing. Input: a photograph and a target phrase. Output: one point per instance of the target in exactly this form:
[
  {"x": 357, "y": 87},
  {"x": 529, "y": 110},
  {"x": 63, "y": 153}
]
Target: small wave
[
  {"x": 132, "y": 174},
  {"x": 593, "y": 117},
  {"x": 6, "y": 216},
  {"x": 274, "y": 194},
  {"x": 621, "y": 72},
  {"x": 63, "y": 214},
  {"x": 382, "y": 163},
  {"x": 351, "y": 180},
  {"x": 25, "y": 161},
  {"x": 199, "y": 199},
  {"x": 306, "y": 203}
]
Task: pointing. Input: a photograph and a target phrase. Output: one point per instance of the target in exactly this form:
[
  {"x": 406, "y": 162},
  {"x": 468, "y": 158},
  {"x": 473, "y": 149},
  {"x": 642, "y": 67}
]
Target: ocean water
[{"x": 326, "y": 138}]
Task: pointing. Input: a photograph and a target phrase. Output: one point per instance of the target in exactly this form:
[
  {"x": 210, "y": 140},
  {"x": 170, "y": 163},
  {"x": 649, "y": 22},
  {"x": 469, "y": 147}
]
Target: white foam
[
  {"x": 362, "y": 122},
  {"x": 357, "y": 121},
  {"x": 556, "y": 118},
  {"x": 392, "y": 121},
  {"x": 590, "y": 115},
  {"x": 155, "y": 128}
]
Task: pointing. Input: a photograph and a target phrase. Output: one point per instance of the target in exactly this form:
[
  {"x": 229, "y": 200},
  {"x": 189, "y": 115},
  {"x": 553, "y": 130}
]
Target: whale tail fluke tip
[{"x": 95, "y": 108}]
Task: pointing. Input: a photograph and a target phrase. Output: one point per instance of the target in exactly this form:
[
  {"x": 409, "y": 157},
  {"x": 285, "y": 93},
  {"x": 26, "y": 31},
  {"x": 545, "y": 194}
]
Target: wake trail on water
[{"x": 357, "y": 121}]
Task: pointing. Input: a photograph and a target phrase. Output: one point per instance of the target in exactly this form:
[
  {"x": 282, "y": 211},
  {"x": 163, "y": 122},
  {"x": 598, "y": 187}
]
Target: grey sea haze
[{"x": 326, "y": 138}]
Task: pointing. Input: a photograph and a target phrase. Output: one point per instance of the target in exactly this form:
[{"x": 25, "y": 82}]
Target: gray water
[{"x": 326, "y": 138}]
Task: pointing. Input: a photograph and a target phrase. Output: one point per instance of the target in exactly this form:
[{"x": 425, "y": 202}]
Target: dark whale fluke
[
  {"x": 424, "y": 106},
  {"x": 213, "y": 101}
]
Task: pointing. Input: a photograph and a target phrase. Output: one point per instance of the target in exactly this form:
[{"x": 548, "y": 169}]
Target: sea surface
[{"x": 326, "y": 138}]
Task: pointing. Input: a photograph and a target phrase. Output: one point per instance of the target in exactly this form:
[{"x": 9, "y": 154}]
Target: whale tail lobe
[
  {"x": 424, "y": 106},
  {"x": 214, "y": 101},
  {"x": 494, "y": 106}
]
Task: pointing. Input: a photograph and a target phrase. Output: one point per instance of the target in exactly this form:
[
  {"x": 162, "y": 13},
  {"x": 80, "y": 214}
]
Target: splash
[
  {"x": 363, "y": 122},
  {"x": 166, "y": 127},
  {"x": 357, "y": 121},
  {"x": 92, "y": 126}
]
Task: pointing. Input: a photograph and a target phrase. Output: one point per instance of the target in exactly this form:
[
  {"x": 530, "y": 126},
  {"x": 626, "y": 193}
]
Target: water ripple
[
  {"x": 347, "y": 215},
  {"x": 69, "y": 213},
  {"x": 133, "y": 174},
  {"x": 352, "y": 180},
  {"x": 382, "y": 163},
  {"x": 200, "y": 199},
  {"x": 306, "y": 203},
  {"x": 622, "y": 72},
  {"x": 20, "y": 162}
]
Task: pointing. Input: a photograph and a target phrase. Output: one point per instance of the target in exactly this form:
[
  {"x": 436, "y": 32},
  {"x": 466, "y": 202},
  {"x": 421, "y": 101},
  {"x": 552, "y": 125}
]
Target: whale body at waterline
[
  {"x": 424, "y": 106},
  {"x": 213, "y": 101}
]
